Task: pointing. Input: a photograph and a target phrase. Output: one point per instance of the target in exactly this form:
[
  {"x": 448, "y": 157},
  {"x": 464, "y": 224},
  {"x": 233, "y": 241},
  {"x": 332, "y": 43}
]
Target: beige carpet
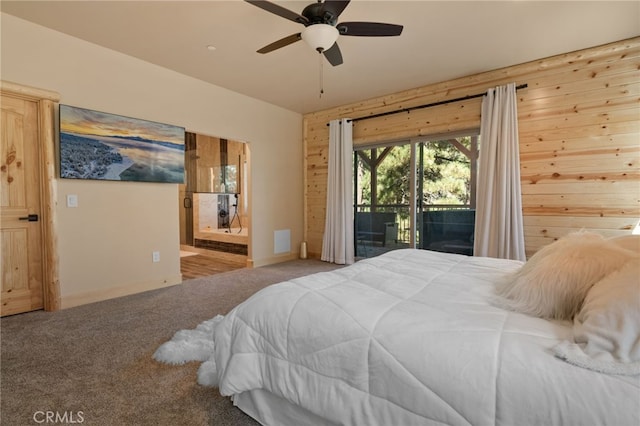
[{"x": 94, "y": 362}]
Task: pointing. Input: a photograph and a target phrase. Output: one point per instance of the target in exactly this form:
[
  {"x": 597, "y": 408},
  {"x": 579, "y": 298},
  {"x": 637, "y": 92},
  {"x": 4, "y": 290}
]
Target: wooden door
[{"x": 20, "y": 207}]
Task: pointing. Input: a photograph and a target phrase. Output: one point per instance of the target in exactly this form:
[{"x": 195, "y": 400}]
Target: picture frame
[{"x": 97, "y": 145}]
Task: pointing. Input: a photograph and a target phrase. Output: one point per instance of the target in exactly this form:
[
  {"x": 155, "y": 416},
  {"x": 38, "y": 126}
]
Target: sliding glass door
[
  {"x": 382, "y": 199},
  {"x": 418, "y": 193}
]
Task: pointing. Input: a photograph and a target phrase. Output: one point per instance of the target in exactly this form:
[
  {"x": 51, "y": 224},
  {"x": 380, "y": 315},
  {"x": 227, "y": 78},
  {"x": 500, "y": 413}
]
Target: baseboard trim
[
  {"x": 79, "y": 299},
  {"x": 274, "y": 259}
]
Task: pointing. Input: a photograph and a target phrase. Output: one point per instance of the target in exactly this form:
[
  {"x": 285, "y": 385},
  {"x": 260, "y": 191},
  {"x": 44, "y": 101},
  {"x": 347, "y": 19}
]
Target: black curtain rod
[{"x": 464, "y": 98}]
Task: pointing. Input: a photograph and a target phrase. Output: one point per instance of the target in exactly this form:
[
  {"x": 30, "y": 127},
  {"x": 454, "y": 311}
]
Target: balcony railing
[{"x": 451, "y": 230}]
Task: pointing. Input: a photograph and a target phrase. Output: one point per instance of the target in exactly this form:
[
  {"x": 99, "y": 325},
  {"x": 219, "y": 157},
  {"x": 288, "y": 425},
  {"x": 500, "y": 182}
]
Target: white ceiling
[{"x": 441, "y": 40}]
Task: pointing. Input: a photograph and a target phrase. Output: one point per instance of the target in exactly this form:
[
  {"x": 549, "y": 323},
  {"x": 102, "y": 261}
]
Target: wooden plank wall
[{"x": 579, "y": 127}]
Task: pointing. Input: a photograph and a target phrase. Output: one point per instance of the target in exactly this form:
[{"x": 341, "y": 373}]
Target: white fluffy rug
[{"x": 193, "y": 345}]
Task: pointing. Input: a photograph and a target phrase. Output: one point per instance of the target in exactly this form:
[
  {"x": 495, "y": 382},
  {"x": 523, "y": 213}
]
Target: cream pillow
[
  {"x": 607, "y": 329},
  {"x": 629, "y": 242},
  {"x": 555, "y": 281}
]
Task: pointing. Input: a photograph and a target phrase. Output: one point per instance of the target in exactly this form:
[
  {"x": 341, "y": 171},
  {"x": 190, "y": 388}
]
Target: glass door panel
[
  {"x": 446, "y": 194},
  {"x": 382, "y": 195}
]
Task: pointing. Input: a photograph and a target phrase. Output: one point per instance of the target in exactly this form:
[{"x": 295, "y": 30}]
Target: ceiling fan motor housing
[{"x": 316, "y": 14}]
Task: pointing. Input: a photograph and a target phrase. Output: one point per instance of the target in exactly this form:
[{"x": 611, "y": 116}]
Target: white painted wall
[{"x": 105, "y": 244}]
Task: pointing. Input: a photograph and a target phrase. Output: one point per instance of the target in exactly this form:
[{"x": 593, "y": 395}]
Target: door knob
[{"x": 30, "y": 218}]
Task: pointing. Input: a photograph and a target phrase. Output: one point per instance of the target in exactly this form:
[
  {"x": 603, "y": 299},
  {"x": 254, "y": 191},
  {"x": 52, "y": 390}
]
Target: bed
[{"x": 412, "y": 337}]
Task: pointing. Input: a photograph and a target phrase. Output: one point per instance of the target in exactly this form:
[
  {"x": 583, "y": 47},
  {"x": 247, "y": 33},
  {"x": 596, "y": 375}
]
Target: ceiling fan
[{"x": 321, "y": 28}]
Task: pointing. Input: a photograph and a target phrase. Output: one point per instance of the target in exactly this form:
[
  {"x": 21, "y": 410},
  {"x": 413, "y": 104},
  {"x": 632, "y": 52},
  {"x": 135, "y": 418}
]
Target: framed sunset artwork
[{"x": 102, "y": 146}]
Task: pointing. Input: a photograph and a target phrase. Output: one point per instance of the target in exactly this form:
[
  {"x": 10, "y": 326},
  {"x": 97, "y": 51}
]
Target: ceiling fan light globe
[{"x": 320, "y": 36}]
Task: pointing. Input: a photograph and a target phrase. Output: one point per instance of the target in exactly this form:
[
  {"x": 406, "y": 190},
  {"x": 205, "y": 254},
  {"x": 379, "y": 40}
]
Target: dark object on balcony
[
  {"x": 379, "y": 227},
  {"x": 449, "y": 231}
]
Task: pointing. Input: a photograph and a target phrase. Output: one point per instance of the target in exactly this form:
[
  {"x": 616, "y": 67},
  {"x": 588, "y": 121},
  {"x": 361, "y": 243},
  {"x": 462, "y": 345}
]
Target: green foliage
[
  {"x": 393, "y": 177},
  {"x": 444, "y": 176}
]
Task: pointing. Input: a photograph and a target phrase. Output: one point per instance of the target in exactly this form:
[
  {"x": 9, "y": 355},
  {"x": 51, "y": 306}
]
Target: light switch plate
[{"x": 72, "y": 200}]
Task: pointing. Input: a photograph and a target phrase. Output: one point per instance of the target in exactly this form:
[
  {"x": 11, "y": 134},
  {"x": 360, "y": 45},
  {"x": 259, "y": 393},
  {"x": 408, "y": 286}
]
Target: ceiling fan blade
[
  {"x": 369, "y": 29},
  {"x": 279, "y": 10},
  {"x": 333, "y": 55},
  {"x": 335, "y": 6},
  {"x": 281, "y": 43}
]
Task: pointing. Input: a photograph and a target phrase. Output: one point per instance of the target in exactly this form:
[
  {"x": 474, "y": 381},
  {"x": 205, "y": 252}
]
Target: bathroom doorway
[{"x": 214, "y": 205}]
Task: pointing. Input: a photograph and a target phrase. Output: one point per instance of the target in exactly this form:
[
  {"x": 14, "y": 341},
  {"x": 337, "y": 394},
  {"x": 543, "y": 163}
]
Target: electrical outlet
[{"x": 156, "y": 256}]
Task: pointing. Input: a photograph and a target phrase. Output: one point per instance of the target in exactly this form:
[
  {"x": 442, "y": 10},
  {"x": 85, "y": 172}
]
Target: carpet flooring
[{"x": 93, "y": 362}]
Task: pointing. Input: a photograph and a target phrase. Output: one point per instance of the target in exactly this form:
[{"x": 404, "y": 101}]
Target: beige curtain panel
[
  {"x": 499, "y": 225},
  {"x": 337, "y": 242}
]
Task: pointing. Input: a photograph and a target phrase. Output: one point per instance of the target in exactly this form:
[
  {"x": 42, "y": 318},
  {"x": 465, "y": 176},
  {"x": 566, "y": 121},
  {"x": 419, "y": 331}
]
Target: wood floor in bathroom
[{"x": 201, "y": 265}]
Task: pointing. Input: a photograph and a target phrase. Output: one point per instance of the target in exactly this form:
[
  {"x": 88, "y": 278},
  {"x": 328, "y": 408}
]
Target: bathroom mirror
[
  {"x": 214, "y": 164},
  {"x": 218, "y": 179}
]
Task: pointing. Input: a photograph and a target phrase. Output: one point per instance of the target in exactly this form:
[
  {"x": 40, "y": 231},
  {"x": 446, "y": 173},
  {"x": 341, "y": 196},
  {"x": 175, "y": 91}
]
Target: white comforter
[{"x": 411, "y": 338}]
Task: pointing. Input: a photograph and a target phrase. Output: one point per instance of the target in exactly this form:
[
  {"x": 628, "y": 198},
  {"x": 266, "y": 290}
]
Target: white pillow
[
  {"x": 629, "y": 242},
  {"x": 607, "y": 329},
  {"x": 555, "y": 280}
]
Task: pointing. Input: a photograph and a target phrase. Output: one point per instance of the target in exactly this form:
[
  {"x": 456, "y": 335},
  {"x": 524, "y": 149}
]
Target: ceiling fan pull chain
[{"x": 321, "y": 74}]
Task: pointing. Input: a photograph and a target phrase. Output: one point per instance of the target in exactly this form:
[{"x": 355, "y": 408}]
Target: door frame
[{"x": 47, "y": 103}]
